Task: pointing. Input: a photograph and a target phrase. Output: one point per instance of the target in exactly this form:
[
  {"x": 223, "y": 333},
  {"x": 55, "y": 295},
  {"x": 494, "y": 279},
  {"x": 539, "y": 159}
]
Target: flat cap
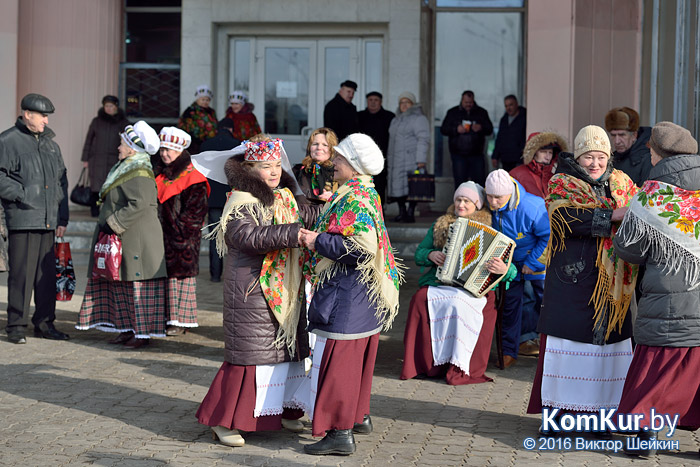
[
  {"x": 668, "y": 139},
  {"x": 349, "y": 84},
  {"x": 37, "y": 103}
]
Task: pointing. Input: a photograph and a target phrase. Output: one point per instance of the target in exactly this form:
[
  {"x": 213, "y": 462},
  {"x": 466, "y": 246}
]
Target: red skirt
[
  {"x": 666, "y": 379},
  {"x": 230, "y": 402},
  {"x": 344, "y": 384},
  {"x": 418, "y": 351}
]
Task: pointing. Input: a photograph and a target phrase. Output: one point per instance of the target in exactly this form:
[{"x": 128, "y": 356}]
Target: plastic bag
[
  {"x": 65, "y": 274},
  {"x": 107, "y": 257}
]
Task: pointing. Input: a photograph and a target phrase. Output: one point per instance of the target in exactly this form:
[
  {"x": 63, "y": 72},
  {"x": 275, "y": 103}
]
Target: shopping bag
[
  {"x": 421, "y": 187},
  {"x": 81, "y": 193},
  {"x": 65, "y": 274},
  {"x": 107, "y": 257}
]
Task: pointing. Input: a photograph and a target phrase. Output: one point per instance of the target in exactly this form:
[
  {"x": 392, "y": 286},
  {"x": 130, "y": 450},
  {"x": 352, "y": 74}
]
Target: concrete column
[{"x": 9, "y": 102}]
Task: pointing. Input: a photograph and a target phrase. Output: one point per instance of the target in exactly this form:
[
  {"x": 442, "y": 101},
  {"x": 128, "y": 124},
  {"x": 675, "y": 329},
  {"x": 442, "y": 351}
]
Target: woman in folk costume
[
  {"x": 352, "y": 264},
  {"x": 134, "y": 304},
  {"x": 199, "y": 119},
  {"x": 240, "y": 112},
  {"x": 315, "y": 173},
  {"x": 664, "y": 371},
  {"x": 585, "y": 345},
  {"x": 539, "y": 162},
  {"x": 182, "y": 208},
  {"x": 264, "y": 321},
  {"x": 458, "y": 351}
]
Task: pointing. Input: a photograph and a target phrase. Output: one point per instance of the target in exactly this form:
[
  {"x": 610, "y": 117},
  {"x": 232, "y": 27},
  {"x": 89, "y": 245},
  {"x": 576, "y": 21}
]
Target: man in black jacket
[
  {"x": 223, "y": 141},
  {"x": 340, "y": 114},
  {"x": 510, "y": 140},
  {"x": 375, "y": 121},
  {"x": 631, "y": 154},
  {"x": 467, "y": 126},
  {"x": 34, "y": 193}
]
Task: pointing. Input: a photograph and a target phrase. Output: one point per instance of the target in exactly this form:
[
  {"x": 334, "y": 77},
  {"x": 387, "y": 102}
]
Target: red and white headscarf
[{"x": 263, "y": 151}]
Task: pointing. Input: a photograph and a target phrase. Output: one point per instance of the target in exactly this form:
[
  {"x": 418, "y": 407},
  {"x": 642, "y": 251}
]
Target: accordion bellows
[{"x": 469, "y": 246}]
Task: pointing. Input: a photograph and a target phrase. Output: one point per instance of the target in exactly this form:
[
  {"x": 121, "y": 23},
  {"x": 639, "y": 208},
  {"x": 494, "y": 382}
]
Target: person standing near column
[{"x": 34, "y": 193}]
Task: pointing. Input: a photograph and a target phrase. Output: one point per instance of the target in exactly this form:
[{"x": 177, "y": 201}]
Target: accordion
[{"x": 469, "y": 246}]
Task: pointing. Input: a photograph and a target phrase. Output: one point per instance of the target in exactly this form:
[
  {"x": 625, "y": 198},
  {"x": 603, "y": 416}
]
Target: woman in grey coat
[
  {"x": 661, "y": 231},
  {"x": 409, "y": 139}
]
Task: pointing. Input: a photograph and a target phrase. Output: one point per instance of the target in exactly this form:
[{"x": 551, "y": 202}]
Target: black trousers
[
  {"x": 216, "y": 263},
  {"x": 32, "y": 268}
]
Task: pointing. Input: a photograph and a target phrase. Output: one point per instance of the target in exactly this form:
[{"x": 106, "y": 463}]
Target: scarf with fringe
[
  {"x": 355, "y": 212},
  {"x": 666, "y": 220},
  {"x": 616, "y": 278},
  {"x": 280, "y": 276},
  {"x": 136, "y": 165}
]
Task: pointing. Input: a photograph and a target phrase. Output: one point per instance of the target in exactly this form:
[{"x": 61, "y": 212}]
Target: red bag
[
  {"x": 65, "y": 274},
  {"x": 108, "y": 257}
]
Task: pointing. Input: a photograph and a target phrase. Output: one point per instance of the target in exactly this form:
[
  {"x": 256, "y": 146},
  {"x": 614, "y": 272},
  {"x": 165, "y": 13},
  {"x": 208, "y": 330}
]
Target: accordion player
[{"x": 469, "y": 247}]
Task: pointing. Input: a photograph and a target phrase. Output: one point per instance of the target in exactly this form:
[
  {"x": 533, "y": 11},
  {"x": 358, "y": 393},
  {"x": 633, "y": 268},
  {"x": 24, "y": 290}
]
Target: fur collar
[
  {"x": 175, "y": 168},
  {"x": 441, "y": 230},
  {"x": 242, "y": 178},
  {"x": 540, "y": 140},
  {"x": 118, "y": 117}
]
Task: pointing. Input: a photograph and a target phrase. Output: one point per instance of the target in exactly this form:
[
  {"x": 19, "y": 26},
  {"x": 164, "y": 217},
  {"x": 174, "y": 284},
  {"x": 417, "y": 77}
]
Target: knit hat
[
  {"x": 203, "y": 91},
  {"x": 174, "y": 138},
  {"x": 362, "y": 153},
  {"x": 668, "y": 139},
  {"x": 238, "y": 97},
  {"x": 141, "y": 137},
  {"x": 472, "y": 191},
  {"x": 408, "y": 95},
  {"x": 591, "y": 138},
  {"x": 263, "y": 151},
  {"x": 499, "y": 183},
  {"x": 622, "y": 118}
]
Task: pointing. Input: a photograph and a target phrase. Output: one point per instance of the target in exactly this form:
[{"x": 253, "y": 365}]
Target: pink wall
[
  {"x": 8, "y": 70},
  {"x": 583, "y": 59},
  {"x": 69, "y": 51}
]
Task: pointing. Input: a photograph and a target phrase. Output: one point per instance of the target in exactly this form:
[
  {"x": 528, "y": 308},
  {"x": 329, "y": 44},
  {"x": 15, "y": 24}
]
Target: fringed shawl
[
  {"x": 616, "y": 278},
  {"x": 665, "y": 220},
  {"x": 281, "y": 273},
  {"x": 355, "y": 212}
]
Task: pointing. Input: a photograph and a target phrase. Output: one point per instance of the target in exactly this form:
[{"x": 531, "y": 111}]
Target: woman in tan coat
[{"x": 135, "y": 304}]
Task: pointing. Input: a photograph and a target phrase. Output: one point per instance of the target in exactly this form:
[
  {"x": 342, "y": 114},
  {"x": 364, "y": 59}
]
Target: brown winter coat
[
  {"x": 249, "y": 325},
  {"x": 182, "y": 218},
  {"x": 100, "y": 150}
]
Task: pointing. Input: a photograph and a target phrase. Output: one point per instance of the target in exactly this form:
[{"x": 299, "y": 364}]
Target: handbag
[
  {"x": 65, "y": 274},
  {"x": 107, "y": 257},
  {"x": 81, "y": 193},
  {"x": 421, "y": 187}
]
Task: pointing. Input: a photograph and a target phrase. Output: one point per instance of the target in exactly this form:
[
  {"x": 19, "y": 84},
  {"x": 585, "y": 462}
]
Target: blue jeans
[
  {"x": 513, "y": 314},
  {"x": 531, "y": 313}
]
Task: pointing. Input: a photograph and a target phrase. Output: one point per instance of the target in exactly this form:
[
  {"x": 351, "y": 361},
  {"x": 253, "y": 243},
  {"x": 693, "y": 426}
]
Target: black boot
[
  {"x": 341, "y": 442},
  {"x": 642, "y": 436},
  {"x": 410, "y": 213},
  {"x": 365, "y": 427},
  {"x": 402, "y": 210}
]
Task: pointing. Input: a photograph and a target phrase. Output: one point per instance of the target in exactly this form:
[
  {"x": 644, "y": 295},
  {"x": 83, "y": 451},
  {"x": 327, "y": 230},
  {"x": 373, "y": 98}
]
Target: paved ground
[{"x": 87, "y": 402}]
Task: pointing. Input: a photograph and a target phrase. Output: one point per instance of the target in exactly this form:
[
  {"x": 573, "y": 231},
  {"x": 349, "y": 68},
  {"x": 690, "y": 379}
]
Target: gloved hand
[{"x": 106, "y": 229}]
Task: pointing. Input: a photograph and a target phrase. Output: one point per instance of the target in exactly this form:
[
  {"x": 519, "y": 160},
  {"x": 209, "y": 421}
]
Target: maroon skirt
[
  {"x": 418, "y": 351},
  {"x": 230, "y": 402},
  {"x": 666, "y": 379},
  {"x": 344, "y": 384}
]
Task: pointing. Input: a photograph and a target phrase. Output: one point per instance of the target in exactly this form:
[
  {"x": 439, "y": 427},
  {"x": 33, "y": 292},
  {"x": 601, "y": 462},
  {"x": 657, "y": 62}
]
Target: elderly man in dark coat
[
  {"x": 340, "y": 114},
  {"x": 510, "y": 140},
  {"x": 630, "y": 141},
  {"x": 34, "y": 193}
]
